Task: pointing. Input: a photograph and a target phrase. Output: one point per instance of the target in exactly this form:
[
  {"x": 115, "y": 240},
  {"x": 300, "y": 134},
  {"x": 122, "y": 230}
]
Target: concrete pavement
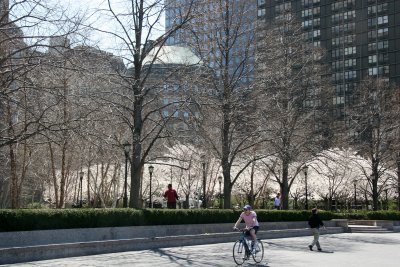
[{"x": 342, "y": 250}]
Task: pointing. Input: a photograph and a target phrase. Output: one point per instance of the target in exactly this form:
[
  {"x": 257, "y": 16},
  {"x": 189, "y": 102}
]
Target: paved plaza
[{"x": 340, "y": 250}]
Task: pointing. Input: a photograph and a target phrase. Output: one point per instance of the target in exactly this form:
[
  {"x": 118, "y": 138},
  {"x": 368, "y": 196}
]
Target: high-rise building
[
  {"x": 361, "y": 38},
  {"x": 206, "y": 32}
]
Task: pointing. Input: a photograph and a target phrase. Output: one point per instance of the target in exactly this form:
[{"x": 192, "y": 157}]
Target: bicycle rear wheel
[
  {"x": 259, "y": 252},
  {"x": 239, "y": 252}
]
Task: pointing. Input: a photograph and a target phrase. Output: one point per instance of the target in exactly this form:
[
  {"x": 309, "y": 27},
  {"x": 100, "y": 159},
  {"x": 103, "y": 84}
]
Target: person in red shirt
[{"x": 171, "y": 197}]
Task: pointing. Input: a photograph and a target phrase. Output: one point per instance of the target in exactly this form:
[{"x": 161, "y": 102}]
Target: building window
[
  {"x": 382, "y": 20},
  {"x": 261, "y": 12},
  {"x": 349, "y": 27},
  {"x": 338, "y": 76},
  {"x": 343, "y": 17},
  {"x": 343, "y": 5},
  {"x": 378, "y": 33},
  {"x": 261, "y": 2},
  {"x": 307, "y": 23},
  {"x": 372, "y": 59},
  {"x": 350, "y": 50},
  {"x": 350, "y": 63},
  {"x": 337, "y": 53},
  {"x": 373, "y": 10},
  {"x": 377, "y": 21},
  {"x": 308, "y": 3},
  {"x": 350, "y": 75},
  {"x": 382, "y": 70},
  {"x": 381, "y": 58},
  {"x": 338, "y": 100},
  {"x": 283, "y": 7},
  {"x": 372, "y": 47},
  {"x": 339, "y": 88},
  {"x": 310, "y": 12},
  {"x": 383, "y": 44},
  {"x": 348, "y": 39},
  {"x": 337, "y": 65}
]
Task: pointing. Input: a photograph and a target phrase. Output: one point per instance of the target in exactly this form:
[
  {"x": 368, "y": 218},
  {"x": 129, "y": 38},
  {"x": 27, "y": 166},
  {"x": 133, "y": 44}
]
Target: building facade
[{"x": 361, "y": 38}]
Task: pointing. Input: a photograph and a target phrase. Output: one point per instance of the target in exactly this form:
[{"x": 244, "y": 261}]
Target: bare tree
[
  {"x": 222, "y": 34},
  {"x": 335, "y": 173},
  {"x": 293, "y": 98},
  {"x": 137, "y": 23},
  {"x": 374, "y": 122},
  {"x": 24, "y": 26}
]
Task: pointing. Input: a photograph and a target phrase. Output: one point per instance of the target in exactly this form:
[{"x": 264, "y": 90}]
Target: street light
[
  {"x": 220, "y": 191},
  {"x": 203, "y": 161},
  {"x": 127, "y": 148},
  {"x": 386, "y": 198},
  {"x": 81, "y": 174},
  {"x": 151, "y": 169},
  {"x": 305, "y": 169},
  {"x": 355, "y": 194}
]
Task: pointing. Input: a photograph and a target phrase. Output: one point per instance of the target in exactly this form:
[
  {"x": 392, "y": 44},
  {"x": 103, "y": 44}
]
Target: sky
[
  {"x": 98, "y": 28},
  {"x": 103, "y": 22}
]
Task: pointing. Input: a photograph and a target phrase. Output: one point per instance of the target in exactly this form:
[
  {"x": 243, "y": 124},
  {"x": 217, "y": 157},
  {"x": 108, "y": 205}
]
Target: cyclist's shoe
[{"x": 310, "y": 247}]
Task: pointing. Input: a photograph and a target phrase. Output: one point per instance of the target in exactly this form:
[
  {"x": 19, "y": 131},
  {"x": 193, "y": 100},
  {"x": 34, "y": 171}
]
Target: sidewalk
[
  {"x": 349, "y": 250},
  {"x": 31, "y": 252}
]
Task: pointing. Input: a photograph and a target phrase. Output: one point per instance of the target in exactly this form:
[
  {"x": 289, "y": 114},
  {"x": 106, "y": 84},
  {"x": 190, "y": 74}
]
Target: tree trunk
[{"x": 285, "y": 186}]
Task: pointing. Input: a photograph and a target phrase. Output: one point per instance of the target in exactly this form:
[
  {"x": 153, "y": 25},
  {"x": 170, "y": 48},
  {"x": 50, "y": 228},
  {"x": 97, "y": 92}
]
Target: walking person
[
  {"x": 171, "y": 197},
  {"x": 315, "y": 222},
  {"x": 277, "y": 202}
]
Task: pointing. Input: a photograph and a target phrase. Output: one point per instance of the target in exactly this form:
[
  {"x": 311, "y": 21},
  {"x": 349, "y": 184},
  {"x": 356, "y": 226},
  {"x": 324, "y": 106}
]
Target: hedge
[{"x": 45, "y": 219}]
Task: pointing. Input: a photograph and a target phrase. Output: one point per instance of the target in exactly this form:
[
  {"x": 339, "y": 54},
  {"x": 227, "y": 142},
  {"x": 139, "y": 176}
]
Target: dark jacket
[{"x": 314, "y": 221}]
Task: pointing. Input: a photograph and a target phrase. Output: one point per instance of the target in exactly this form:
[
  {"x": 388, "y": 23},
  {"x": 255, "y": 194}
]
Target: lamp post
[
  {"x": 355, "y": 193},
  {"x": 203, "y": 162},
  {"x": 127, "y": 147},
  {"x": 151, "y": 169},
  {"x": 81, "y": 174},
  {"x": 305, "y": 169},
  {"x": 386, "y": 199},
  {"x": 220, "y": 191}
]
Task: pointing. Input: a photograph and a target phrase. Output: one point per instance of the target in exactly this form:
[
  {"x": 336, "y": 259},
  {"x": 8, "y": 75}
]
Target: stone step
[{"x": 368, "y": 229}]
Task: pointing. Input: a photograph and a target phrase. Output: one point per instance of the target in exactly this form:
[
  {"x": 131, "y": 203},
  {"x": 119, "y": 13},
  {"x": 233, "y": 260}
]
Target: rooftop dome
[{"x": 172, "y": 55}]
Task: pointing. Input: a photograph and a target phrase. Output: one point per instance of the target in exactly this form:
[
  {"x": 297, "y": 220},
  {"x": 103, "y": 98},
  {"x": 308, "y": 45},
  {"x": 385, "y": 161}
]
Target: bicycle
[{"x": 242, "y": 249}]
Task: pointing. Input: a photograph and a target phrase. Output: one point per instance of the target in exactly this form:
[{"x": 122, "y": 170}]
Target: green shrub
[
  {"x": 42, "y": 219},
  {"x": 30, "y": 219}
]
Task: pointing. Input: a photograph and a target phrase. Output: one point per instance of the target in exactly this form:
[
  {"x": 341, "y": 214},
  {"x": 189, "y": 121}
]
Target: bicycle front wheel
[
  {"x": 258, "y": 254},
  {"x": 239, "y": 252}
]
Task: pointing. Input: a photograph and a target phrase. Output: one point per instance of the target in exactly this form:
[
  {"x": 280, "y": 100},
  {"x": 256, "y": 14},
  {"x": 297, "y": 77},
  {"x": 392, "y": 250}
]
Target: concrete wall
[
  {"x": 49, "y": 244},
  {"x": 44, "y": 237}
]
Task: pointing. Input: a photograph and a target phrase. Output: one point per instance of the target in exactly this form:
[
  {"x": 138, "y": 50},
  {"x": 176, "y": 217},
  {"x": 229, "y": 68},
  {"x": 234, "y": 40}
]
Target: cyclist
[{"x": 252, "y": 225}]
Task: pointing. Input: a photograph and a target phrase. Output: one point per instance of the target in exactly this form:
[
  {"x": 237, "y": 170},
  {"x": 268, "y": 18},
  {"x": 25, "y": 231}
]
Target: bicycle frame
[{"x": 244, "y": 241}]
